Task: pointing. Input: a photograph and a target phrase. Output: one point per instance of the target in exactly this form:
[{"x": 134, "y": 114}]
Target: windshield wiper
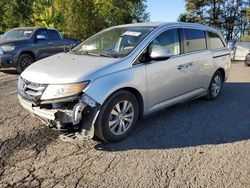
[
  {"x": 108, "y": 55},
  {"x": 94, "y": 54}
]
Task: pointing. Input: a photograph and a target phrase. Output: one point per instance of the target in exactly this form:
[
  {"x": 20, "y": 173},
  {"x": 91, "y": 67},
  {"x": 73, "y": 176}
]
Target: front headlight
[
  {"x": 61, "y": 91},
  {"x": 8, "y": 48}
]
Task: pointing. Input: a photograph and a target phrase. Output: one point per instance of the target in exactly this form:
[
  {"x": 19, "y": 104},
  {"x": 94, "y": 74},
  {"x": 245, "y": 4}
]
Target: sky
[{"x": 165, "y": 10}]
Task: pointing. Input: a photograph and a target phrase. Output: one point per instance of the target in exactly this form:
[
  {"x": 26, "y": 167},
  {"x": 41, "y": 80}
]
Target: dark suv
[{"x": 22, "y": 46}]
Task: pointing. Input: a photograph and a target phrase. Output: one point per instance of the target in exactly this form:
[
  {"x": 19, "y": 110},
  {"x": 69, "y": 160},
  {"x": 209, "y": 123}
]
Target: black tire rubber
[
  {"x": 209, "y": 95},
  {"x": 20, "y": 66},
  {"x": 102, "y": 130}
]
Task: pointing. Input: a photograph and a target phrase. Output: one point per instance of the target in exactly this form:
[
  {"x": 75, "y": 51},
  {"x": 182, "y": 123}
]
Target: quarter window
[
  {"x": 215, "y": 41},
  {"x": 195, "y": 40},
  {"x": 168, "y": 40}
]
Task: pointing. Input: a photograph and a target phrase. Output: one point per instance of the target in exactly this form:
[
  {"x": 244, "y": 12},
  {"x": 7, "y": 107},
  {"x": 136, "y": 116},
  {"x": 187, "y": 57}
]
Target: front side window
[
  {"x": 168, "y": 40},
  {"x": 215, "y": 41},
  {"x": 195, "y": 40},
  {"x": 43, "y": 34},
  {"x": 114, "y": 42}
]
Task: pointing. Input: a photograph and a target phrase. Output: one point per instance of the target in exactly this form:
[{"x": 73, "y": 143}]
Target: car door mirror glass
[{"x": 160, "y": 54}]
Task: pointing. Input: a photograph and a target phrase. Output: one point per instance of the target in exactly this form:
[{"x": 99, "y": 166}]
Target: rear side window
[
  {"x": 53, "y": 35},
  {"x": 215, "y": 41},
  {"x": 195, "y": 40},
  {"x": 168, "y": 40}
]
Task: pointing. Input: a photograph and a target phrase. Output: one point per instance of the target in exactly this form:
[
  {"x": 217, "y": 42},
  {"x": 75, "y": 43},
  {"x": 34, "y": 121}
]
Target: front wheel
[
  {"x": 23, "y": 62},
  {"x": 215, "y": 86},
  {"x": 117, "y": 117}
]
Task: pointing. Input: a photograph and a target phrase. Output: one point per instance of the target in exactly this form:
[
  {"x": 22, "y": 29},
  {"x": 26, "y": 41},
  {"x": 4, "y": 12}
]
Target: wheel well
[
  {"x": 138, "y": 96},
  {"x": 222, "y": 71},
  {"x": 29, "y": 53}
]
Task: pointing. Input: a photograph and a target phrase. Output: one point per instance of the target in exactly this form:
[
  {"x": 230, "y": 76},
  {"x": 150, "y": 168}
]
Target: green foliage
[
  {"x": 44, "y": 14},
  {"x": 75, "y": 18},
  {"x": 15, "y": 13},
  {"x": 188, "y": 17},
  {"x": 227, "y": 15}
]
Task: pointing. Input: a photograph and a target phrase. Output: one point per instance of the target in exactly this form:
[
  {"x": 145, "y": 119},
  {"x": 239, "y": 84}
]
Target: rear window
[
  {"x": 195, "y": 40},
  {"x": 54, "y": 35},
  {"x": 215, "y": 41}
]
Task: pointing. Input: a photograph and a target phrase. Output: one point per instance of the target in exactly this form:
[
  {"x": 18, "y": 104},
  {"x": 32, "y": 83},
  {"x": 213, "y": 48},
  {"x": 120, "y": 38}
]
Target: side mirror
[
  {"x": 40, "y": 37},
  {"x": 160, "y": 54}
]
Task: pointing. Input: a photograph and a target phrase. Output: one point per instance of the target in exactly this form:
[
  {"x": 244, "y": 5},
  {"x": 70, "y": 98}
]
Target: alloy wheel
[
  {"x": 121, "y": 117},
  {"x": 216, "y": 85}
]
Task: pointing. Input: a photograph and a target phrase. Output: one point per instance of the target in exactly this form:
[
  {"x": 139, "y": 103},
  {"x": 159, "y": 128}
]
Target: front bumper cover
[
  {"x": 8, "y": 60},
  {"x": 84, "y": 120},
  {"x": 43, "y": 113}
]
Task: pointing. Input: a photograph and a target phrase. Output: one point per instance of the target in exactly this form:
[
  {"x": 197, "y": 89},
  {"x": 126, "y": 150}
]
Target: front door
[
  {"x": 42, "y": 44},
  {"x": 174, "y": 79}
]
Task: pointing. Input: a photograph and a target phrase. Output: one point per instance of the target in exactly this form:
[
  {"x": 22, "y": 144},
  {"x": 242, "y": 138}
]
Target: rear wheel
[
  {"x": 215, "y": 86},
  {"x": 23, "y": 62},
  {"x": 117, "y": 117}
]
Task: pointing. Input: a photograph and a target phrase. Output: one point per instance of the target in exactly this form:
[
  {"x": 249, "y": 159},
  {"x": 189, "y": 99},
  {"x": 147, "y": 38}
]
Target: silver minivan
[{"x": 102, "y": 86}]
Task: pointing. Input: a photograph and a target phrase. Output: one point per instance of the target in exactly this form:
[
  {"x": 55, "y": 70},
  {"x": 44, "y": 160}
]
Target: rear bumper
[{"x": 8, "y": 60}]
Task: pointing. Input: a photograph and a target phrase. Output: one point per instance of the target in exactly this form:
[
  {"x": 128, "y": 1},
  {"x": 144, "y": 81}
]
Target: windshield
[
  {"x": 114, "y": 42},
  {"x": 18, "y": 34}
]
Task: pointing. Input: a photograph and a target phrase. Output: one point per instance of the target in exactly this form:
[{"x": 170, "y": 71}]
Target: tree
[
  {"x": 78, "y": 18},
  {"x": 44, "y": 14},
  {"x": 82, "y": 18},
  {"x": 188, "y": 17},
  {"x": 116, "y": 12},
  {"x": 227, "y": 15},
  {"x": 75, "y": 18},
  {"x": 17, "y": 13},
  {"x": 196, "y": 10}
]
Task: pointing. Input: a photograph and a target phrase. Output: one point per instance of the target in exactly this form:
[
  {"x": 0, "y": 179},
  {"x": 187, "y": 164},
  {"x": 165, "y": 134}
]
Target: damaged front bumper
[{"x": 81, "y": 114}]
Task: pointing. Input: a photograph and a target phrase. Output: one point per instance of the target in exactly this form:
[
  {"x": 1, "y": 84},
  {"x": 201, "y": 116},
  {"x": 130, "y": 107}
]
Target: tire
[
  {"x": 23, "y": 62},
  {"x": 113, "y": 125},
  {"x": 215, "y": 86}
]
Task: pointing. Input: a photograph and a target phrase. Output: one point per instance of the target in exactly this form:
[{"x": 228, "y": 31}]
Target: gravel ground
[{"x": 197, "y": 144}]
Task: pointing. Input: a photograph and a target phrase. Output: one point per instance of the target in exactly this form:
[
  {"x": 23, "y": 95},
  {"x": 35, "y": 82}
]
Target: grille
[{"x": 29, "y": 90}]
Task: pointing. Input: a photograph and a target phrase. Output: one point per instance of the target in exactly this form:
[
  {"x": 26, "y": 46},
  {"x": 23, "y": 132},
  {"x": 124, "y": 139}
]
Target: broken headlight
[{"x": 64, "y": 90}]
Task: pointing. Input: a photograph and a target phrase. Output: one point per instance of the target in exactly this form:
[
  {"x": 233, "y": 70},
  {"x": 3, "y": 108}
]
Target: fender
[{"x": 101, "y": 88}]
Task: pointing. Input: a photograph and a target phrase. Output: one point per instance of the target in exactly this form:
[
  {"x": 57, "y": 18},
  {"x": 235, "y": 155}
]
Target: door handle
[
  {"x": 180, "y": 67},
  {"x": 185, "y": 66},
  {"x": 189, "y": 65}
]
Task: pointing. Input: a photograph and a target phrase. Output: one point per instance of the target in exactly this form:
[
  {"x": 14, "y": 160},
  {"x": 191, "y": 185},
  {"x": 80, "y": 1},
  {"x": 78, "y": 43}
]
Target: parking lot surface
[{"x": 196, "y": 144}]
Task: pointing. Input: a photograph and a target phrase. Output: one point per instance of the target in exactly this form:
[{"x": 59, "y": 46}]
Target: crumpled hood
[{"x": 65, "y": 68}]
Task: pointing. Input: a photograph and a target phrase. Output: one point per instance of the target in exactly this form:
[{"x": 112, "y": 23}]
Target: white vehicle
[
  {"x": 105, "y": 83},
  {"x": 240, "y": 51}
]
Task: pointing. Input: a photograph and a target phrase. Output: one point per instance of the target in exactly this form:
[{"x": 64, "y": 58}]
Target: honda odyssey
[{"x": 103, "y": 85}]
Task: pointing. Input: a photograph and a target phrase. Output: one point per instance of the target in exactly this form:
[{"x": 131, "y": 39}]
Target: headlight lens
[
  {"x": 8, "y": 48},
  {"x": 61, "y": 91}
]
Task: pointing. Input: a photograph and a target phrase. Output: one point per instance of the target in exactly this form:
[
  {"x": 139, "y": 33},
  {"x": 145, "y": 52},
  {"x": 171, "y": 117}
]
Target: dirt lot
[{"x": 198, "y": 144}]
